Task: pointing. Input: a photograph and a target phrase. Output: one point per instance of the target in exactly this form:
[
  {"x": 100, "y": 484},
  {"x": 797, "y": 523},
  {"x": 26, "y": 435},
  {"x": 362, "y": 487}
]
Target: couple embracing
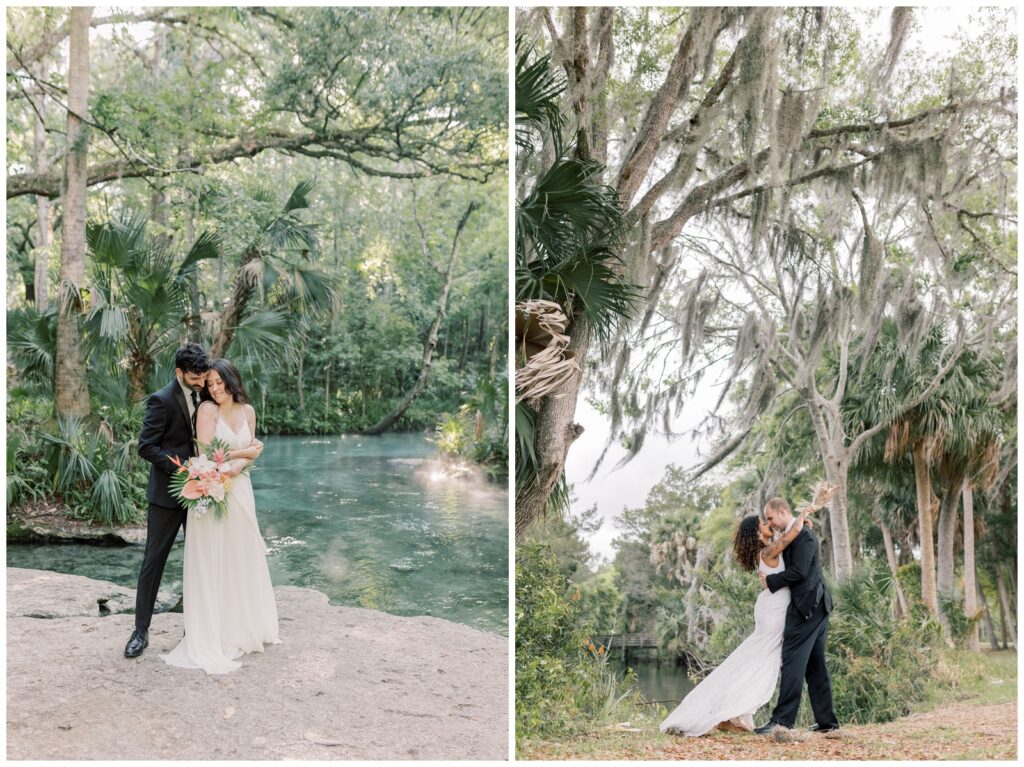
[
  {"x": 790, "y": 624},
  {"x": 228, "y": 598}
]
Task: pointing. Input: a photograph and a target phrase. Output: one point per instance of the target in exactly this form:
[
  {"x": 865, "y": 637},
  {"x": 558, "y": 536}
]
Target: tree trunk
[
  {"x": 231, "y": 317},
  {"x": 989, "y": 625},
  {"x": 327, "y": 393},
  {"x": 43, "y": 219},
  {"x": 1005, "y": 613},
  {"x": 555, "y": 433},
  {"x": 970, "y": 582},
  {"x": 138, "y": 372},
  {"x": 947, "y": 537},
  {"x": 946, "y": 550},
  {"x": 838, "y": 523},
  {"x": 387, "y": 421},
  {"x": 925, "y": 501},
  {"x": 71, "y": 393},
  {"x": 195, "y": 321},
  {"x": 890, "y": 556}
]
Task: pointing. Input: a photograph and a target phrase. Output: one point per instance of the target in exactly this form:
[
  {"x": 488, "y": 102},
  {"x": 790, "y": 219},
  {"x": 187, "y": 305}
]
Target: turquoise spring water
[{"x": 370, "y": 521}]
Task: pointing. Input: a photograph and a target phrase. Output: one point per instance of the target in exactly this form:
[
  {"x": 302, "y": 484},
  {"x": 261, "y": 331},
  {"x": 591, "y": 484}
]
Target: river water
[
  {"x": 370, "y": 521},
  {"x": 664, "y": 681}
]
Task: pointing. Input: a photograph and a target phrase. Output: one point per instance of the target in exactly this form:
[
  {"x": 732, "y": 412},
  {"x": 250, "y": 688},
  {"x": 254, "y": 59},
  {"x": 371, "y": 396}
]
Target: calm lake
[{"x": 370, "y": 521}]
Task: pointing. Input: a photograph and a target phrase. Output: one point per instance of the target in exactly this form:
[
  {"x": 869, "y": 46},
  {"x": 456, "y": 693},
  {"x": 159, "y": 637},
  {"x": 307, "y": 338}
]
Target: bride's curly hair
[{"x": 747, "y": 543}]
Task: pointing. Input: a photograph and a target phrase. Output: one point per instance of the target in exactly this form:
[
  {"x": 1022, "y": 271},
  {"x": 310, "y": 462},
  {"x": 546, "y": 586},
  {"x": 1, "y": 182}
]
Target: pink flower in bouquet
[
  {"x": 193, "y": 490},
  {"x": 220, "y": 455}
]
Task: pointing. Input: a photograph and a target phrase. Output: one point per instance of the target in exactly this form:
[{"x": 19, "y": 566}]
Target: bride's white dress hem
[
  {"x": 745, "y": 680},
  {"x": 228, "y": 597}
]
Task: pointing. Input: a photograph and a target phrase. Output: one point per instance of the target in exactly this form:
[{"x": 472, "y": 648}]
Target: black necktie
[{"x": 195, "y": 410}]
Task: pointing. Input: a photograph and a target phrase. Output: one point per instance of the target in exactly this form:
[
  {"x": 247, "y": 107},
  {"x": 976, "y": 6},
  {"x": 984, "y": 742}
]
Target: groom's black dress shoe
[
  {"x": 138, "y": 643},
  {"x": 767, "y": 728},
  {"x": 818, "y": 728}
]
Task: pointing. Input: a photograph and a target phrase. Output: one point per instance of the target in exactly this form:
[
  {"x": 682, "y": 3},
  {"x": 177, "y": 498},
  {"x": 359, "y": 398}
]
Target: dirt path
[{"x": 955, "y": 731}]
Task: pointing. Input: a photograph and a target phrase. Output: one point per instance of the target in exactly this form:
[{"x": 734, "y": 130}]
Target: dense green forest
[
  {"x": 800, "y": 222},
  {"x": 317, "y": 194}
]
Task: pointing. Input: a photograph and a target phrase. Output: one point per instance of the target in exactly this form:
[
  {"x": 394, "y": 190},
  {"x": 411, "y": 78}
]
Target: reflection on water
[
  {"x": 356, "y": 518},
  {"x": 663, "y": 681}
]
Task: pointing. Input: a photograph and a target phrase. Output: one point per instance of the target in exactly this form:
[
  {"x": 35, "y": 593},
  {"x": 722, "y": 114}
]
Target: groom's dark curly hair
[
  {"x": 192, "y": 358},
  {"x": 747, "y": 543}
]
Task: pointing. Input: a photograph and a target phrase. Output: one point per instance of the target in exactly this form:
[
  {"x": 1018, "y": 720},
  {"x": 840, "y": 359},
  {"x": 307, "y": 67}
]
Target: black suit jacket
[
  {"x": 803, "y": 576},
  {"x": 166, "y": 432}
]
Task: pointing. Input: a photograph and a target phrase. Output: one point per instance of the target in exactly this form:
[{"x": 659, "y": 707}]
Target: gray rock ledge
[{"x": 346, "y": 683}]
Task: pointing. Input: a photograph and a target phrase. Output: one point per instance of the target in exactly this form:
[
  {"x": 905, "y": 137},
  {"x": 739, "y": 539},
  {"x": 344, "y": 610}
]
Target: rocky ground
[{"x": 346, "y": 683}]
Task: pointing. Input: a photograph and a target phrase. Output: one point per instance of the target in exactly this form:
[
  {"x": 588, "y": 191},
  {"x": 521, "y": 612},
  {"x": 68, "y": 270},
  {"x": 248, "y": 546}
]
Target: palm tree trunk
[
  {"x": 989, "y": 624},
  {"x": 555, "y": 433},
  {"x": 925, "y": 501},
  {"x": 890, "y": 556},
  {"x": 387, "y": 421},
  {"x": 970, "y": 582},
  {"x": 71, "y": 392},
  {"x": 947, "y": 536},
  {"x": 946, "y": 548},
  {"x": 241, "y": 292},
  {"x": 1005, "y": 614}
]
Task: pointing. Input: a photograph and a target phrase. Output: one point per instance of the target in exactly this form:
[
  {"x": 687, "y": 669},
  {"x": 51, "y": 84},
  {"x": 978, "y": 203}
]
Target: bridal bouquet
[
  {"x": 823, "y": 493},
  {"x": 200, "y": 484}
]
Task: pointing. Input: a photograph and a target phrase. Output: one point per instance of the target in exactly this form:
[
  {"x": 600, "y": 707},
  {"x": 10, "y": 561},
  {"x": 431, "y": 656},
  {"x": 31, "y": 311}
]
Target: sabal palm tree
[
  {"x": 568, "y": 235},
  {"x": 140, "y": 299},
  {"x": 278, "y": 266},
  {"x": 952, "y": 434}
]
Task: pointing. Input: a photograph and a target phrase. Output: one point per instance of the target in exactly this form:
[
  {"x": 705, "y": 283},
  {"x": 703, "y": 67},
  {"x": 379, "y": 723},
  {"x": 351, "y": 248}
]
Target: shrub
[
  {"x": 91, "y": 469},
  {"x": 563, "y": 681},
  {"x": 880, "y": 666}
]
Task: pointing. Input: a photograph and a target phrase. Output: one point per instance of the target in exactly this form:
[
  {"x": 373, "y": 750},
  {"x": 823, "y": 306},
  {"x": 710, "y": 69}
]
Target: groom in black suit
[
  {"x": 803, "y": 641},
  {"x": 168, "y": 430}
]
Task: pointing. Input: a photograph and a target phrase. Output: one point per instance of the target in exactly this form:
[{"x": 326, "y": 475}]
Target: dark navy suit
[
  {"x": 803, "y": 641},
  {"x": 167, "y": 431}
]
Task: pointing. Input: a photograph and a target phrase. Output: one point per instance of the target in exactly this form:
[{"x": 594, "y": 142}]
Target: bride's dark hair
[
  {"x": 747, "y": 543},
  {"x": 232, "y": 380}
]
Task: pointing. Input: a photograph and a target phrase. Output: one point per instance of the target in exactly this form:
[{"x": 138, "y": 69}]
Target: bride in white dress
[
  {"x": 730, "y": 695},
  {"x": 228, "y": 598}
]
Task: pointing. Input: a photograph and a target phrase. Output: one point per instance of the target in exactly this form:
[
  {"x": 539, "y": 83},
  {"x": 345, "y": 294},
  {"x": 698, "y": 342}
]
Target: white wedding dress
[
  {"x": 228, "y": 598},
  {"x": 746, "y": 679}
]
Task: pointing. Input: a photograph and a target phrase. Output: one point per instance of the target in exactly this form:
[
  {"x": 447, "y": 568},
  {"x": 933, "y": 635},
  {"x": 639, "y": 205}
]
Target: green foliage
[
  {"x": 563, "y": 683},
  {"x": 32, "y": 344},
  {"x": 89, "y": 467},
  {"x": 450, "y": 435},
  {"x": 880, "y": 666}
]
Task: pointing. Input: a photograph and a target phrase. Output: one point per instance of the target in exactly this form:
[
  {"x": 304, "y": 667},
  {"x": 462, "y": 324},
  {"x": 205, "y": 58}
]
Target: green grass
[{"x": 987, "y": 678}]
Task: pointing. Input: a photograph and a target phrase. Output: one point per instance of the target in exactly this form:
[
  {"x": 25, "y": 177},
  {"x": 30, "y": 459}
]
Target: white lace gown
[
  {"x": 228, "y": 598},
  {"x": 745, "y": 680}
]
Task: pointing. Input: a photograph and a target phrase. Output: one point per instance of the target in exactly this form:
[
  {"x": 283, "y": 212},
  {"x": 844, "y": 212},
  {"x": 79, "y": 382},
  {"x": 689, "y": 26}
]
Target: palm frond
[{"x": 539, "y": 87}]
